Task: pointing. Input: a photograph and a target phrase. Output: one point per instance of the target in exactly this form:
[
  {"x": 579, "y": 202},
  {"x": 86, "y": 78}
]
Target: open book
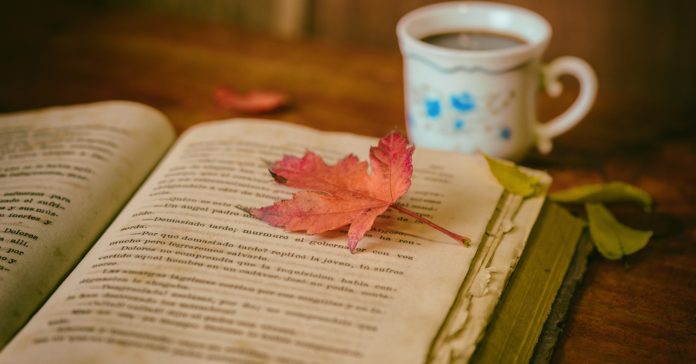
[{"x": 169, "y": 267}]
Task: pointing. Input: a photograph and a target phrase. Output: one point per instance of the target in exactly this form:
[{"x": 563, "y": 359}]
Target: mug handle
[{"x": 588, "y": 90}]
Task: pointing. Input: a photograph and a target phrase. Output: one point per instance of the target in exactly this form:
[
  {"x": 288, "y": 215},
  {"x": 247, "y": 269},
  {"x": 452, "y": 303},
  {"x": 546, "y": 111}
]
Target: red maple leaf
[{"x": 344, "y": 193}]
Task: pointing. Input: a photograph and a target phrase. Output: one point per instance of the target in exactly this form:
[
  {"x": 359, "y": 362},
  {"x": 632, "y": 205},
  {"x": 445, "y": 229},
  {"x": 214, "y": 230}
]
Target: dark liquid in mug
[{"x": 474, "y": 40}]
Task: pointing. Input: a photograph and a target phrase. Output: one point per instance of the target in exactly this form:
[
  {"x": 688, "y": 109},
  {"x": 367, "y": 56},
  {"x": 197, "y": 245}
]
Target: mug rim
[{"x": 404, "y": 35}]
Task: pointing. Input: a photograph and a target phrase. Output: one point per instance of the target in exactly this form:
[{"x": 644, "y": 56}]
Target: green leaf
[
  {"x": 613, "y": 239},
  {"x": 604, "y": 192},
  {"x": 513, "y": 178}
]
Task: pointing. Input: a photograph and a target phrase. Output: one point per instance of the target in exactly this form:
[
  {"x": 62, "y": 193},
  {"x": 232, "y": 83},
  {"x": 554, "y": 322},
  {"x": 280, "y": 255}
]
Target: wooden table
[{"x": 646, "y": 313}]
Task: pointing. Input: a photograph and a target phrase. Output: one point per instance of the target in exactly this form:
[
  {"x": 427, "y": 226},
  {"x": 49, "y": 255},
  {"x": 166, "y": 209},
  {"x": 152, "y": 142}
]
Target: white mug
[{"x": 484, "y": 100}]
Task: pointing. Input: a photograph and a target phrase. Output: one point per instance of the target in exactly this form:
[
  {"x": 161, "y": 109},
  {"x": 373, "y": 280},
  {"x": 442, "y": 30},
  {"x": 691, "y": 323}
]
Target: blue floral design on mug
[
  {"x": 433, "y": 108},
  {"x": 462, "y": 102},
  {"x": 505, "y": 133},
  {"x": 459, "y": 124}
]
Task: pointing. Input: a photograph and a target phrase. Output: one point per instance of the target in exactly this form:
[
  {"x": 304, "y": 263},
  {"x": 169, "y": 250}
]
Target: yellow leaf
[
  {"x": 513, "y": 178},
  {"x": 604, "y": 192},
  {"x": 613, "y": 239}
]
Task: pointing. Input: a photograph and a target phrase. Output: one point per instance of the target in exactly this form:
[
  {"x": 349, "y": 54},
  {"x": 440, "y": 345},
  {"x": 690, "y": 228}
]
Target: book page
[
  {"x": 64, "y": 174},
  {"x": 184, "y": 275},
  {"x": 493, "y": 264}
]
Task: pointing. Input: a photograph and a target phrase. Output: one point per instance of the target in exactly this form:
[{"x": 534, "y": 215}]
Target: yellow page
[
  {"x": 64, "y": 174},
  {"x": 185, "y": 276}
]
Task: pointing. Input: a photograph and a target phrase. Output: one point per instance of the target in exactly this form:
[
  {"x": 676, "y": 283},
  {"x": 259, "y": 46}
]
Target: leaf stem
[{"x": 459, "y": 238}]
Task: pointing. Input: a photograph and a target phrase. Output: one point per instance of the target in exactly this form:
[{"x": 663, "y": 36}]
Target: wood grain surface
[{"x": 64, "y": 54}]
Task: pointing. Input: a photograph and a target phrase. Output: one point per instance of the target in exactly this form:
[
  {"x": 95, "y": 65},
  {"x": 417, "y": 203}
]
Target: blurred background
[
  {"x": 644, "y": 51},
  {"x": 630, "y": 42}
]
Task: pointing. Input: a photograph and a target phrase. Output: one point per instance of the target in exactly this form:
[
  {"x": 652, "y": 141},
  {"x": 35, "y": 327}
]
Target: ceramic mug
[{"x": 471, "y": 100}]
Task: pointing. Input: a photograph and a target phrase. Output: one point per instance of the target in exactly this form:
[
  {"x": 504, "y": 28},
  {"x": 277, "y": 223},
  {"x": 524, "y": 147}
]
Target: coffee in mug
[{"x": 473, "y": 40}]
